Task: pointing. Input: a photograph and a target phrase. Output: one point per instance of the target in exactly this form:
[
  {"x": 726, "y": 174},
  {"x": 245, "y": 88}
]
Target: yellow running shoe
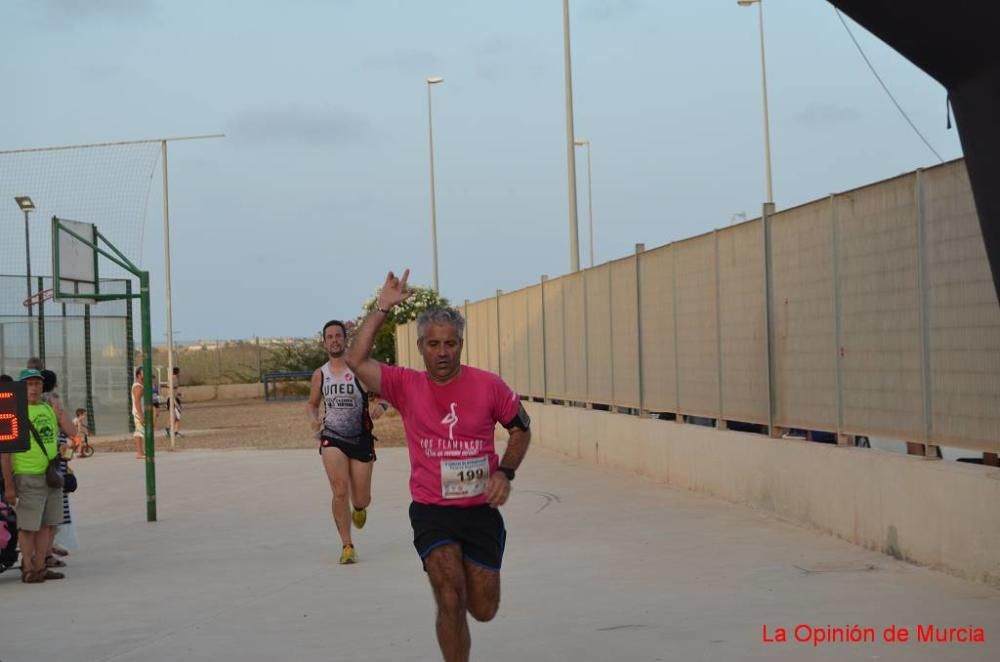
[
  {"x": 348, "y": 555},
  {"x": 360, "y": 517}
]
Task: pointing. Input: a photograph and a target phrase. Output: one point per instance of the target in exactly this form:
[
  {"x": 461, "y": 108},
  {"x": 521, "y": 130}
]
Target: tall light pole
[
  {"x": 763, "y": 74},
  {"x": 434, "y": 80},
  {"x": 590, "y": 199},
  {"x": 574, "y": 238},
  {"x": 25, "y": 204}
]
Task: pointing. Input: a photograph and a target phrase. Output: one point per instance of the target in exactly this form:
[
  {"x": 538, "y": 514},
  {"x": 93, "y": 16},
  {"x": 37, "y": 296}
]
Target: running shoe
[
  {"x": 360, "y": 517},
  {"x": 347, "y": 555}
]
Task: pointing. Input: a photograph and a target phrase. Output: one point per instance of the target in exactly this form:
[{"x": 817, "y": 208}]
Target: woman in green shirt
[{"x": 39, "y": 507}]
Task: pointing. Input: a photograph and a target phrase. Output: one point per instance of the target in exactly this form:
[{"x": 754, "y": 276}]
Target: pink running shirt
[{"x": 449, "y": 431}]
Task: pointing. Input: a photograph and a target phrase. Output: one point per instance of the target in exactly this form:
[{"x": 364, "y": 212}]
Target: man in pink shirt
[{"x": 450, "y": 412}]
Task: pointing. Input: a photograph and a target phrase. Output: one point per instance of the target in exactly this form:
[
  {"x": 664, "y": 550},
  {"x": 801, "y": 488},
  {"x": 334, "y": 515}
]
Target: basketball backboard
[{"x": 74, "y": 261}]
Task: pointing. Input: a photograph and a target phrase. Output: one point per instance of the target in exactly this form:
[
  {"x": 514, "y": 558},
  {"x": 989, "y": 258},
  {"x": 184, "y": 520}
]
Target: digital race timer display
[{"x": 13, "y": 418}]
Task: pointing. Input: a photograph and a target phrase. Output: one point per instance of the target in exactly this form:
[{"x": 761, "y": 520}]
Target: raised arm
[
  {"x": 358, "y": 356},
  {"x": 65, "y": 422}
]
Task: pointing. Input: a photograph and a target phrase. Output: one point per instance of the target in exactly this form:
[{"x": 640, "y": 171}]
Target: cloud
[
  {"x": 408, "y": 61},
  {"x": 85, "y": 9},
  {"x": 492, "y": 57},
  {"x": 826, "y": 114},
  {"x": 304, "y": 126},
  {"x": 611, "y": 10}
]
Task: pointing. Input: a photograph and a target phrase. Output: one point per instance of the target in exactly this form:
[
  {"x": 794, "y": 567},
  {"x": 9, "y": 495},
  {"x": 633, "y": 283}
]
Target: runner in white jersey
[{"x": 347, "y": 444}]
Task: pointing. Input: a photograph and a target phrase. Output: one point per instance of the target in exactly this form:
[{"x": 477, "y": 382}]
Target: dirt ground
[{"x": 221, "y": 424}]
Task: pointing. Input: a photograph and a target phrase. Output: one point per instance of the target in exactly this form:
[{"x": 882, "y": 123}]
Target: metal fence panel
[
  {"x": 741, "y": 315},
  {"x": 575, "y": 338},
  {"x": 625, "y": 332},
  {"x": 659, "y": 378},
  {"x": 697, "y": 327},
  {"x": 599, "y": 358},
  {"x": 65, "y": 353},
  {"x": 878, "y": 283},
  {"x": 963, "y": 316},
  {"x": 804, "y": 326},
  {"x": 536, "y": 342},
  {"x": 555, "y": 364}
]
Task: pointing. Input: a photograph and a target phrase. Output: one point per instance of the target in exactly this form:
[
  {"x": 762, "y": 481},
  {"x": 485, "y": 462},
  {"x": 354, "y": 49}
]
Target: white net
[
  {"x": 107, "y": 185},
  {"x": 88, "y": 347}
]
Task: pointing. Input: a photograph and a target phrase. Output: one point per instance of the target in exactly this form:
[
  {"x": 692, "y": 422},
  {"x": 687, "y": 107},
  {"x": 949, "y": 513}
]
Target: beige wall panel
[
  {"x": 599, "y": 369},
  {"x": 484, "y": 336},
  {"x": 478, "y": 335},
  {"x": 468, "y": 310},
  {"x": 401, "y": 357},
  {"x": 536, "y": 341},
  {"x": 555, "y": 363},
  {"x": 403, "y": 344},
  {"x": 470, "y": 337},
  {"x": 508, "y": 331},
  {"x": 493, "y": 335},
  {"x": 574, "y": 297},
  {"x": 697, "y": 332},
  {"x": 963, "y": 316},
  {"x": 744, "y": 346},
  {"x": 625, "y": 332},
  {"x": 522, "y": 357},
  {"x": 804, "y": 327},
  {"x": 880, "y": 309},
  {"x": 656, "y": 274}
]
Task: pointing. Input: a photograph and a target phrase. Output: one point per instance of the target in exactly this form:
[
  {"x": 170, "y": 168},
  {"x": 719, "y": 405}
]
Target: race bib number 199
[{"x": 464, "y": 478}]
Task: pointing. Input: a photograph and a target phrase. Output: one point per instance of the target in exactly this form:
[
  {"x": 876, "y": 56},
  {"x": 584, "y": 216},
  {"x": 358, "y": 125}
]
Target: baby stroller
[{"x": 8, "y": 537}]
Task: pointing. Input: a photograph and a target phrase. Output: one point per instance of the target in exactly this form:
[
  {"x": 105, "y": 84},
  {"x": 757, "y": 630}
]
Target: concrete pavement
[{"x": 601, "y": 565}]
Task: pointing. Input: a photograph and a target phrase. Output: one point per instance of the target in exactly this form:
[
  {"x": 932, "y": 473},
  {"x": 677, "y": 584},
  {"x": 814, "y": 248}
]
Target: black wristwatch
[{"x": 506, "y": 472}]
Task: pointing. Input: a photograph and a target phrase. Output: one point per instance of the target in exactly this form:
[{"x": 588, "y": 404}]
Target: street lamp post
[
  {"x": 763, "y": 73},
  {"x": 574, "y": 236},
  {"x": 26, "y": 205},
  {"x": 430, "y": 138},
  {"x": 590, "y": 199}
]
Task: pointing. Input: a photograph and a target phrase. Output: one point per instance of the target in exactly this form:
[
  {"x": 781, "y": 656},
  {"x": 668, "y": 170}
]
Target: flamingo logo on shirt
[{"x": 450, "y": 419}]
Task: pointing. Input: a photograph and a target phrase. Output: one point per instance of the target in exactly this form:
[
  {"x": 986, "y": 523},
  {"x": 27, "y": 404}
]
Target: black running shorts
[
  {"x": 362, "y": 449},
  {"x": 478, "y": 530}
]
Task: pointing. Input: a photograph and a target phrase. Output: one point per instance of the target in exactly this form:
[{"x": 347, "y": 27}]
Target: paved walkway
[{"x": 600, "y": 566}]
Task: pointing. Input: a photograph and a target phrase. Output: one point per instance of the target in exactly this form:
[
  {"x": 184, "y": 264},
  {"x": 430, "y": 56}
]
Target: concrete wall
[
  {"x": 942, "y": 515},
  {"x": 222, "y": 392}
]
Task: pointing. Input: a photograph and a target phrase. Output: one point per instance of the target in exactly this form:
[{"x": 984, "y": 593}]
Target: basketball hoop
[{"x": 38, "y": 298}]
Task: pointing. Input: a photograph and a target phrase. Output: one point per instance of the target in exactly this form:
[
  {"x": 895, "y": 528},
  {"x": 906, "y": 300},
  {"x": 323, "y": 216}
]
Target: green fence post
[
  {"x": 41, "y": 322},
  {"x": 147, "y": 404},
  {"x": 88, "y": 369},
  {"x": 129, "y": 352}
]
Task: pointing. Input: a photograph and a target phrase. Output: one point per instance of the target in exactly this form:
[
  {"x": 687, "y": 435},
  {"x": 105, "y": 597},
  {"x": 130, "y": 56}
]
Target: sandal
[
  {"x": 51, "y": 574},
  {"x": 33, "y": 577},
  {"x": 59, "y": 551},
  {"x": 53, "y": 562}
]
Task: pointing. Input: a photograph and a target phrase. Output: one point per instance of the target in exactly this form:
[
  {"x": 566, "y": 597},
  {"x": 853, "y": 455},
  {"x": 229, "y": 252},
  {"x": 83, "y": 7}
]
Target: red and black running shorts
[{"x": 361, "y": 448}]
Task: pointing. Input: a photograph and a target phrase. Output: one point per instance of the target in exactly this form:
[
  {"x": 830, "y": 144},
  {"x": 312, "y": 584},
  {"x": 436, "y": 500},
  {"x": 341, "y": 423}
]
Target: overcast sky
[{"x": 321, "y": 184}]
